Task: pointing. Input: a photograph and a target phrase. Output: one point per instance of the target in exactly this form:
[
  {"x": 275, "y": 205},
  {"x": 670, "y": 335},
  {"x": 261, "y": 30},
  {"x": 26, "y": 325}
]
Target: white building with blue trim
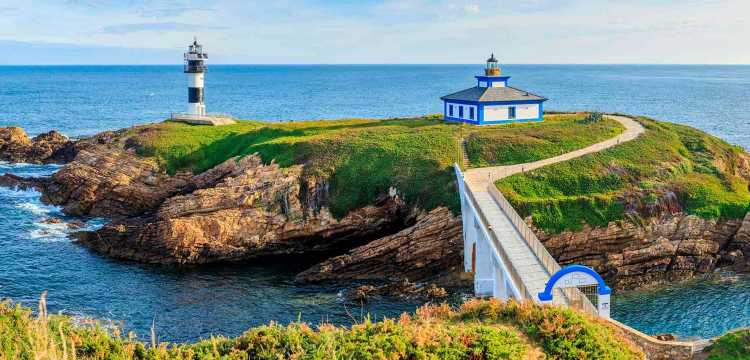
[{"x": 492, "y": 101}]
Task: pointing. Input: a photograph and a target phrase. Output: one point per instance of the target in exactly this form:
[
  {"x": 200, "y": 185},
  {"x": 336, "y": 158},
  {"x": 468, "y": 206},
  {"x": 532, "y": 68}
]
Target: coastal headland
[{"x": 375, "y": 199}]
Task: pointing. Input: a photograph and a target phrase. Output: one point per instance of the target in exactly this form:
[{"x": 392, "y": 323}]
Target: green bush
[{"x": 732, "y": 346}]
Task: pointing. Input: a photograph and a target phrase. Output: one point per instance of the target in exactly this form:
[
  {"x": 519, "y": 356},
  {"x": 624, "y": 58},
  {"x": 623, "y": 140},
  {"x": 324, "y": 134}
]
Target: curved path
[
  {"x": 480, "y": 178},
  {"x": 527, "y": 262}
]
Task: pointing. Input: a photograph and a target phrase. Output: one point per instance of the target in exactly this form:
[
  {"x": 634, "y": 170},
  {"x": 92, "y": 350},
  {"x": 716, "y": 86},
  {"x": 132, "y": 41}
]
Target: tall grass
[{"x": 477, "y": 330}]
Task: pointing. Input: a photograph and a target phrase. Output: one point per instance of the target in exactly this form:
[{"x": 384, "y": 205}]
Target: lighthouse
[{"x": 195, "y": 68}]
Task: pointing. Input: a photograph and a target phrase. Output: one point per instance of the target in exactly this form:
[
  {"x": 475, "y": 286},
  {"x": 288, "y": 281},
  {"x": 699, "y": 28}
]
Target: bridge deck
[{"x": 522, "y": 258}]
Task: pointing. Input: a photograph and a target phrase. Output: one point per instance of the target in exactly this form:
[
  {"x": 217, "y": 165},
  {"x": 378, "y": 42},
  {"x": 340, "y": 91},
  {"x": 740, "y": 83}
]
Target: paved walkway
[
  {"x": 523, "y": 259},
  {"x": 479, "y": 178}
]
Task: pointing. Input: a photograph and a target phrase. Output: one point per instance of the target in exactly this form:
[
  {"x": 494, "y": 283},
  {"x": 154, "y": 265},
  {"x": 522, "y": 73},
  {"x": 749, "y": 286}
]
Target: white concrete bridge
[{"x": 506, "y": 257}]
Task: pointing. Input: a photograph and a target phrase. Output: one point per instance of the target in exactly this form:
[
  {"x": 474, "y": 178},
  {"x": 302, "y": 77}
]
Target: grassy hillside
[
  {"x": 559, "y": 134},
  {"x": 361, "y": 158},
  {"x": 703, "y": 171},
  {"x": 477, "y": 330}
]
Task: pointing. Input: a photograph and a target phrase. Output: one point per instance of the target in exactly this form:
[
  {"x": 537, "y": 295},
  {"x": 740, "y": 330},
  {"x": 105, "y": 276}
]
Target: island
[{"x": 375, "y": 200}]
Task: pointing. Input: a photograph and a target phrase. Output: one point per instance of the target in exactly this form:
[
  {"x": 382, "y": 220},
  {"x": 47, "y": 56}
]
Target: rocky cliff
[
  {"x": 642, "y": 252},
  {"x": 240, "y": 210}
]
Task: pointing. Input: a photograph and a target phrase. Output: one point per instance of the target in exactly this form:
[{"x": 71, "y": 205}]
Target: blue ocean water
[{"x": 187, "y": 304}]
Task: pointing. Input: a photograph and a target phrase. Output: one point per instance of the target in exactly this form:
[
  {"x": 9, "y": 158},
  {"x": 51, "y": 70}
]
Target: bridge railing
[
  {"x": 572, "y": 295},
  {"x": 515, "y": 277}
]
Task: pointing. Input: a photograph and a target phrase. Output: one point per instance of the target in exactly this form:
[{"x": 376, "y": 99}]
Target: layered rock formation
[
  {"x": 236, "y": 211},
  {"x": 419, "y": 252},
  {"x": 51, "y": 147},
  {"x": 255, "y": 211},
  {"x": 659, "y": 250}
]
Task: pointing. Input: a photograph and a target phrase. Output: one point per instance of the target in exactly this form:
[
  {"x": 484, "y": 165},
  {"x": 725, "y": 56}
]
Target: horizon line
[{"x": 384, "y": 64}]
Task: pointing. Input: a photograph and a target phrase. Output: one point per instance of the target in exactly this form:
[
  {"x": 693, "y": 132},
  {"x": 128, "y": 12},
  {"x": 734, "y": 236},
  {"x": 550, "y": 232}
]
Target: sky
[{"x": 374, "y": 32}]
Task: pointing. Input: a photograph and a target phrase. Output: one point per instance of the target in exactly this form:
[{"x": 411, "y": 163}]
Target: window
[
  {"x": 461, "y": 112},
  {"x": 450, "y": 110},
  {"x": 512, "y": 112},
  {"x": 471, "y": 113}
]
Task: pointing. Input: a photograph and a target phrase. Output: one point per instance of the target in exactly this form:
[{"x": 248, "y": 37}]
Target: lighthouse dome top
[
  {"x": 492, "y": 69},
  {"x": 196, "y": 48}
]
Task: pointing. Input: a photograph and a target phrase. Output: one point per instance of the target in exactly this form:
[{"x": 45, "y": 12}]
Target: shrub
[{"x": 734, "y": 345}]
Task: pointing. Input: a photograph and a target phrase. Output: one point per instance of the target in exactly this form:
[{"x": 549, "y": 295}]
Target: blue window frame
[
  {"x": 471, "y": 113},
  {"x": 461, "y": 111},
  {"x": 512, "y": 112},
  {"x": 450, "y": 110}
]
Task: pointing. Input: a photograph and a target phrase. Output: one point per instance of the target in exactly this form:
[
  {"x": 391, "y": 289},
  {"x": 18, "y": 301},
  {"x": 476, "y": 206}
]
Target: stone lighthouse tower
[{"x": 195, "y": 68}]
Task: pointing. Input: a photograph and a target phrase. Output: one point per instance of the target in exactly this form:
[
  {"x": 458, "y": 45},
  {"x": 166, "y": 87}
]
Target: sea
[{"x": 186, "y": 304}]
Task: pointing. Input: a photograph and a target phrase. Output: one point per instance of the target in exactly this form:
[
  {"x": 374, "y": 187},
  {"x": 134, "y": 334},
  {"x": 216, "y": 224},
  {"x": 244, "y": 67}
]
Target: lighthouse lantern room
[{"x": 493, "y": 101}]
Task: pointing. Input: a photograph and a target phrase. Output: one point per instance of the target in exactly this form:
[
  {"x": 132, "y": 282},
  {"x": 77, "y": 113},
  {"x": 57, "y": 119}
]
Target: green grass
[
  {"x": 558, "y": 134},
  {"x": 360, "y": 159},
  {"x": 702, "y": 170},
  {"x": 477, "y": 330},
  {"x": 732, "y": 346}
]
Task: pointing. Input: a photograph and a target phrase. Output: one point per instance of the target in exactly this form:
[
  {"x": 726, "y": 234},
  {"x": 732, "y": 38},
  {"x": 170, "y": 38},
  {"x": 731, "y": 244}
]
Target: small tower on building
[
  {"x": 492, "y": 101},
  {"x": 195, "y": 68}
]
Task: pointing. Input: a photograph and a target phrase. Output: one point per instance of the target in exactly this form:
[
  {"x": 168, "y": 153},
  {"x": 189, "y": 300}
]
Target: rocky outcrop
[
  {"x": 418, "y": 253},
  {"x": 255, "y": 211},
  {"x": 51, "y": 147},
  {"x": 110, "y": 182},
  {"x": 635, "y": 254},
  {"x": 403, "y": 289}
]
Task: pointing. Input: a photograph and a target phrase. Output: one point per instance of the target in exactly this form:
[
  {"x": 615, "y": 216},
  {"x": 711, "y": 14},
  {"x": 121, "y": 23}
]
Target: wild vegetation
[
  {"x": 732, "y": 346},
  {"x": 520, "y": 143},
  {"x": 364, "y": 158},
  {"x": 704, "y": 174},
  {"x": 477, "y": 330}
]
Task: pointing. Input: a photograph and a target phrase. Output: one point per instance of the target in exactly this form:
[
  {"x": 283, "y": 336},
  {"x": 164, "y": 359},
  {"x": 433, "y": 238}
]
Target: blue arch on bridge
[{"x": 546, "y": 295}]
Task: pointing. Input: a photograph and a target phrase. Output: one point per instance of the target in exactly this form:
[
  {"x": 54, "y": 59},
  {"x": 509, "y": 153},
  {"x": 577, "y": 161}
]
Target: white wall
[
  {"x": 498, "y": 84},
  {"x": 457, "y": 111},
  {"x": 500, "y": 112},
  {"x": 195, "y": 80}
]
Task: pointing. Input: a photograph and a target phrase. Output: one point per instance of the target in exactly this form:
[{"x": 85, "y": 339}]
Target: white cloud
[{"x": 397, "y": 31}]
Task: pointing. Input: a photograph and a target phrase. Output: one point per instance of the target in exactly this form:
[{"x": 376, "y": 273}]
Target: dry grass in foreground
[{"x": 479, "y": 329}]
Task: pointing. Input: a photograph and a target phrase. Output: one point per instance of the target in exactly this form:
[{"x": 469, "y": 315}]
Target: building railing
[
  {"x": 182, "y": 116},
  {"x": 195, "y": 68}
]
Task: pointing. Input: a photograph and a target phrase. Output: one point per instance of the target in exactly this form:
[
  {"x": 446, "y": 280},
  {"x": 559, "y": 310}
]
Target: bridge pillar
[
  {"x": 471, "y": 231},
  {"x": 501, "y": 283},
  {"x": 484, "y": 277}
]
